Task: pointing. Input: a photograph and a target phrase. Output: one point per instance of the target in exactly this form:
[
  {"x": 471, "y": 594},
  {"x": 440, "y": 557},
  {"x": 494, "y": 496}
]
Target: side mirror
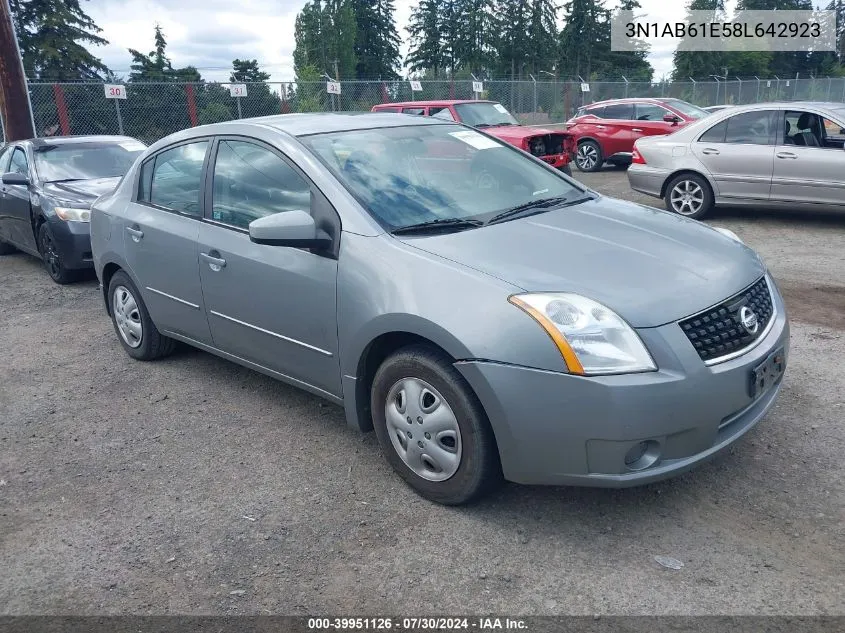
[
  {"x": 290, "y": 228},
  {"x": 13, "y": 178},
  {"x": 671, "y": 118}
]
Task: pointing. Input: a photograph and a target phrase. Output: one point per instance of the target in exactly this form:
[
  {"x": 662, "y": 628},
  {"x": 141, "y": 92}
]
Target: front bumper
[
  {"x": 73, "y": 240},
  {"x": 555, "y": 428},
  {"x": 647, "y": 180},
  {"x": 556, "y": 160}
]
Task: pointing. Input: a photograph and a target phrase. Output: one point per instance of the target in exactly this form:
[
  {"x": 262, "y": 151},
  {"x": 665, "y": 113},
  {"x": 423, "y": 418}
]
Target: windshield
[
  {"x": 86, "y": 161},
  {"x": 413, "y": 174},
  {"x": 484, "y": 114},
  {"x": 687, "y": 109}
]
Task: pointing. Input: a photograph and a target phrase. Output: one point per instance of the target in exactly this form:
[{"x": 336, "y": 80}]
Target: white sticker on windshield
[
  {"x": 500, "y": 108},
  {"x": 478, "y": 141},
  {"x": 133, "y": 146}
]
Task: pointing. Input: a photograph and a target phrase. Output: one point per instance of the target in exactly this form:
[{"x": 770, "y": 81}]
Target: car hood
[
  {"x": 516, "y": 133},
  {"x": 80, "y": 191},
  {"x": 650, "y": 266}
]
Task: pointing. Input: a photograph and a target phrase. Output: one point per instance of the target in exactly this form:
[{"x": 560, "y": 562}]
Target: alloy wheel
[
  {"x": 52, "y": 259},
  {"x": 687, "y": 198},
  {"x": 587, "y": 157},
  {"x": 423, "y": 429}
]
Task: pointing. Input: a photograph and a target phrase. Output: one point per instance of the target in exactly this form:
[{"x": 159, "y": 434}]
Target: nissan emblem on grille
[{"x": 749, "y": 320}]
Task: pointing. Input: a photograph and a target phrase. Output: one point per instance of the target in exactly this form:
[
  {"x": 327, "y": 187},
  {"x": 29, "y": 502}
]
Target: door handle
[
  {"x": 636, "y": 129},
  {"x": 136, "y": 234},
  {"x": 213, "y": 260},
  {"x": 786, "y": 155},
  {"x": 709, "y": 150},
  {"x": 601, "y": 127}
]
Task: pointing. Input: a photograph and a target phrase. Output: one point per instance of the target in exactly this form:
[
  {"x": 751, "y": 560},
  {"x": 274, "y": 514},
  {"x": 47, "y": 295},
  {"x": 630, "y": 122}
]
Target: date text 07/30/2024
[{"x": 417, "y": 624}]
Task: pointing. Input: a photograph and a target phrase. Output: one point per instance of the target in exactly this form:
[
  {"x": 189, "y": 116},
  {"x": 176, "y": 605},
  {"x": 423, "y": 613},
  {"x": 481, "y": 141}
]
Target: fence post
[
  {"x": 829, "y": 86},
  {"x": 191, "y": 103},
  {"x": 119, "y": 117},
  {"x": 693, "y": 89},
  {"x": 61, "y": 110},
  {"x": 758, "y": 89},
  {"x": 739, "y": 92}
]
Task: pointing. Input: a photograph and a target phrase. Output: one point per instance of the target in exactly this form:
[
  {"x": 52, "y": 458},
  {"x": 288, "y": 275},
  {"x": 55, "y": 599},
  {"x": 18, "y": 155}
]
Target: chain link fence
[{"x": 154, "y": 110}]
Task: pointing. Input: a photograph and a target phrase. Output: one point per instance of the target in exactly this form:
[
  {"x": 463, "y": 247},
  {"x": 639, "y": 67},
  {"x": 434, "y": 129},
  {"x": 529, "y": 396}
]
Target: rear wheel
[
  {"x": 689, "y": 195},
  {"x": 589, "y": 156},
  {"x": 52, "y": 257},
  {"x": 432, "y": 428},
  {"x": 135, "y": 330}
]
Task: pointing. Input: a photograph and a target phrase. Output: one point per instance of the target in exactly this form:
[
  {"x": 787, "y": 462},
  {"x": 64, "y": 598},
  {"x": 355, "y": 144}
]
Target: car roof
[
  {"x": 316, "y": 123},
  {"x": 632, "y": 100},
  {"x": 64, "y": 140},
  {"x": 436, "y": 102}
]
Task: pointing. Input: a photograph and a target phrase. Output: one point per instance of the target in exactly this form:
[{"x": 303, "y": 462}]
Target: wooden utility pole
[{"x": 14, "y": 98}]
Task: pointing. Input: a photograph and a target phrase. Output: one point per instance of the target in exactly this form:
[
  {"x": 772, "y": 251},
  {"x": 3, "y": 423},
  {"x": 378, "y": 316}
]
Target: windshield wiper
[
  {"x": 434, "y": 225},
  {"x": 536, "y": 206},
  {"x": 64, "y": 180}
]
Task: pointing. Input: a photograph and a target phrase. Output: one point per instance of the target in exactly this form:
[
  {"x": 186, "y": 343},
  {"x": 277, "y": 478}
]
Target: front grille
[
  {"x": 546, "y": 144},
  {"x": 718, "y": 331}
]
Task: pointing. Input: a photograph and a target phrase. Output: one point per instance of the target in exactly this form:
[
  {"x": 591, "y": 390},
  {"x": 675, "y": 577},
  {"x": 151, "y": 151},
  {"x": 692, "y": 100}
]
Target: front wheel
[
  {"x": 432, "y": 428},
  {"x": 52, "y": 258},
  {"x": 589, "y": 156},
  {"x": 689, "y": 195}
]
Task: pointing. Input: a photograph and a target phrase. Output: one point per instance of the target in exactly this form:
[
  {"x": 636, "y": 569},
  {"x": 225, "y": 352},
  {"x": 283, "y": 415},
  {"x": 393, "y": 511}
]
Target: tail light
[{"x": 637, "y": 158}]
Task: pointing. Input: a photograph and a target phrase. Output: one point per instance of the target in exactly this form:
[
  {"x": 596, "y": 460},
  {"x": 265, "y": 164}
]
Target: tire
[
  {"x": 700, "y": 197},
  {"x": 135, "y": 330},
  {"x": 7, "y": 249},
  {"x": 589, "y": 157},
  {"x": 52, "y": 258},
  {"x": 457, "y": 461}
]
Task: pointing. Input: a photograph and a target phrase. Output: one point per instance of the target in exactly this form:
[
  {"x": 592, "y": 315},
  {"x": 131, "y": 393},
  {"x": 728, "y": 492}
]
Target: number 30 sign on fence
[{"x": 115, "y": 91}]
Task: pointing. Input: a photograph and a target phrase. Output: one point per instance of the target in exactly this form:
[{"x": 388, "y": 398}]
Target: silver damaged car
[{"x": 487, "y": 316}]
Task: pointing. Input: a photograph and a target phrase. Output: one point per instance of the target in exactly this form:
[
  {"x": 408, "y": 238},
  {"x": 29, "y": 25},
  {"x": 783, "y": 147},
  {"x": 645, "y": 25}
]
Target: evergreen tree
[
  {"x": 580, "y": 36},
  {"x": 474, "y": 30},
  {"x": 700, "y": 64},
  {"x": 512, "y": 43},
  {"x": 52, "y": 35},
  {"x": 426, "y": 39},
  {"x": 246, "y": 71},
  {"x": 541, "y": 50},
  {"x": 325, "y": 38},
  {"x": 376, "y": 39}
]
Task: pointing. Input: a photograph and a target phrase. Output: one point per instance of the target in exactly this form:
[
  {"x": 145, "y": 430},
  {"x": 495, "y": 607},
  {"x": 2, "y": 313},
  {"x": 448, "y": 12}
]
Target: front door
[
  {"x": 160, "y": 236},
  {"x": 5, "y": 157},
  {"x": 809, "y": 160},
  {"x": 739, "y": 152},
  {"x": 16, "y": 204},
  {"x": 274, "y": 306},
  {"x": 649, "y": 121}
]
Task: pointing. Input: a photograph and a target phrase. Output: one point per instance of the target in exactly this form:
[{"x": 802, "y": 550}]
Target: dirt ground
[{"x": 192, "y": 485}]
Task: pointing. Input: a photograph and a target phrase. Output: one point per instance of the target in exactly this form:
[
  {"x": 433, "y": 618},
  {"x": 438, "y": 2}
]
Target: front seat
[
  {"x": 807, "y": 134},
  {"x": 787, "y": 139}
]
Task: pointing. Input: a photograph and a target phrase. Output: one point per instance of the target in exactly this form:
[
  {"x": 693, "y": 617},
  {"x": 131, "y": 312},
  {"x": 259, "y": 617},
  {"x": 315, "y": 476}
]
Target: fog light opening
[{"x": 642, "y": 455}]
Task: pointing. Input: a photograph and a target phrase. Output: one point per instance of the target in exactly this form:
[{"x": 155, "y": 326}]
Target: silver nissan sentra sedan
[{"x": 489, "y": 317}]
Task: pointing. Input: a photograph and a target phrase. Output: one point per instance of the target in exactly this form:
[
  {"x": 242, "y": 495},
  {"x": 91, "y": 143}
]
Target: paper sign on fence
[
  {"x": 585, "y": 87},
  {"x": 477, "y": 86},
  {"x": 416, "y": 86},
  {"x": 333, "y": 87},
  {"x": 237, "y": 90},
  {"x": 115, "y": 91}
]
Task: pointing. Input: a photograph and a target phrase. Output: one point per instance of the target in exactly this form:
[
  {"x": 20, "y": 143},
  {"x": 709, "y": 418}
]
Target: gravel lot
[{"x": 192, "y": 485}]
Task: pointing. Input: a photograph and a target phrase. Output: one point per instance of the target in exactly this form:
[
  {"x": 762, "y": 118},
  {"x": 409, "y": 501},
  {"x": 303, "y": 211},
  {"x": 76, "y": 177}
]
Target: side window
[
  {"x": 176, "y": 181},
  {"x": 715, "y": 134},
  {"x": 145, "y": 180},
  {"x": 650, "y": 112},
  {"x": 441, "y": 113},
  {"x": 19, "y": 164},
  {"x": 619, "y": 111},
  {"x": 251, "y": 182},
  {"x": 752, "y": 128},
  {"x": 5, "y": 155},
  {"x": 596, "y": 112},
  {"x": 417, "y": 111},
  {"x": 811, "y": 130}
]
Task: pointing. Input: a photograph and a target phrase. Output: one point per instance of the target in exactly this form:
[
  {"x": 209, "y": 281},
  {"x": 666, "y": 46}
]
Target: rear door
[
  {"x": 160, "y": 238},
  {"x": 807, "y": 173},
  {"x": 739, "y": 152},
  {"x": 614, "y": 131}
]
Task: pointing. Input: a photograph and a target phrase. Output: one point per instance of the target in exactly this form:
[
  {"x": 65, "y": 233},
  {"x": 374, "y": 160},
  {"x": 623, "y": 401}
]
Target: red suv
[
  {"x": 555, "y": 147},
  {"x": 606, "y": 131}
]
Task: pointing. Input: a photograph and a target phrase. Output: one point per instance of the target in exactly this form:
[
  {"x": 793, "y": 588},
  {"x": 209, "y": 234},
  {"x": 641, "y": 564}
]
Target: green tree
[
  {"x": 376, "y": 39},
  {"x": 475, "y": 32},
  {"x": 52, "y": 35},
  {"x": 512, "y": 42},
  {"x": 246, "y": 71},
  {"x": 324, "y": 38},
  {"x": 580, "y": 38},
  {"x": 700, "y": 64},
  {"x": 426, "y": 39},
  {"x": 541, "y": 43}
]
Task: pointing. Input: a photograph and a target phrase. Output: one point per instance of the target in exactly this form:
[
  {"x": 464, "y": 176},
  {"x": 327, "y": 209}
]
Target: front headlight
[
  {"x": 69, "y": 214},
  {"x": 592, "y": 338}
]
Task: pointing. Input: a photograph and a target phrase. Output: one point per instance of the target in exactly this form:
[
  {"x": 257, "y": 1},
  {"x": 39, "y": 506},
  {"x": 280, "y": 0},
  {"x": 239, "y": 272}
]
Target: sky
[{"x": 209, "y": 34}]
